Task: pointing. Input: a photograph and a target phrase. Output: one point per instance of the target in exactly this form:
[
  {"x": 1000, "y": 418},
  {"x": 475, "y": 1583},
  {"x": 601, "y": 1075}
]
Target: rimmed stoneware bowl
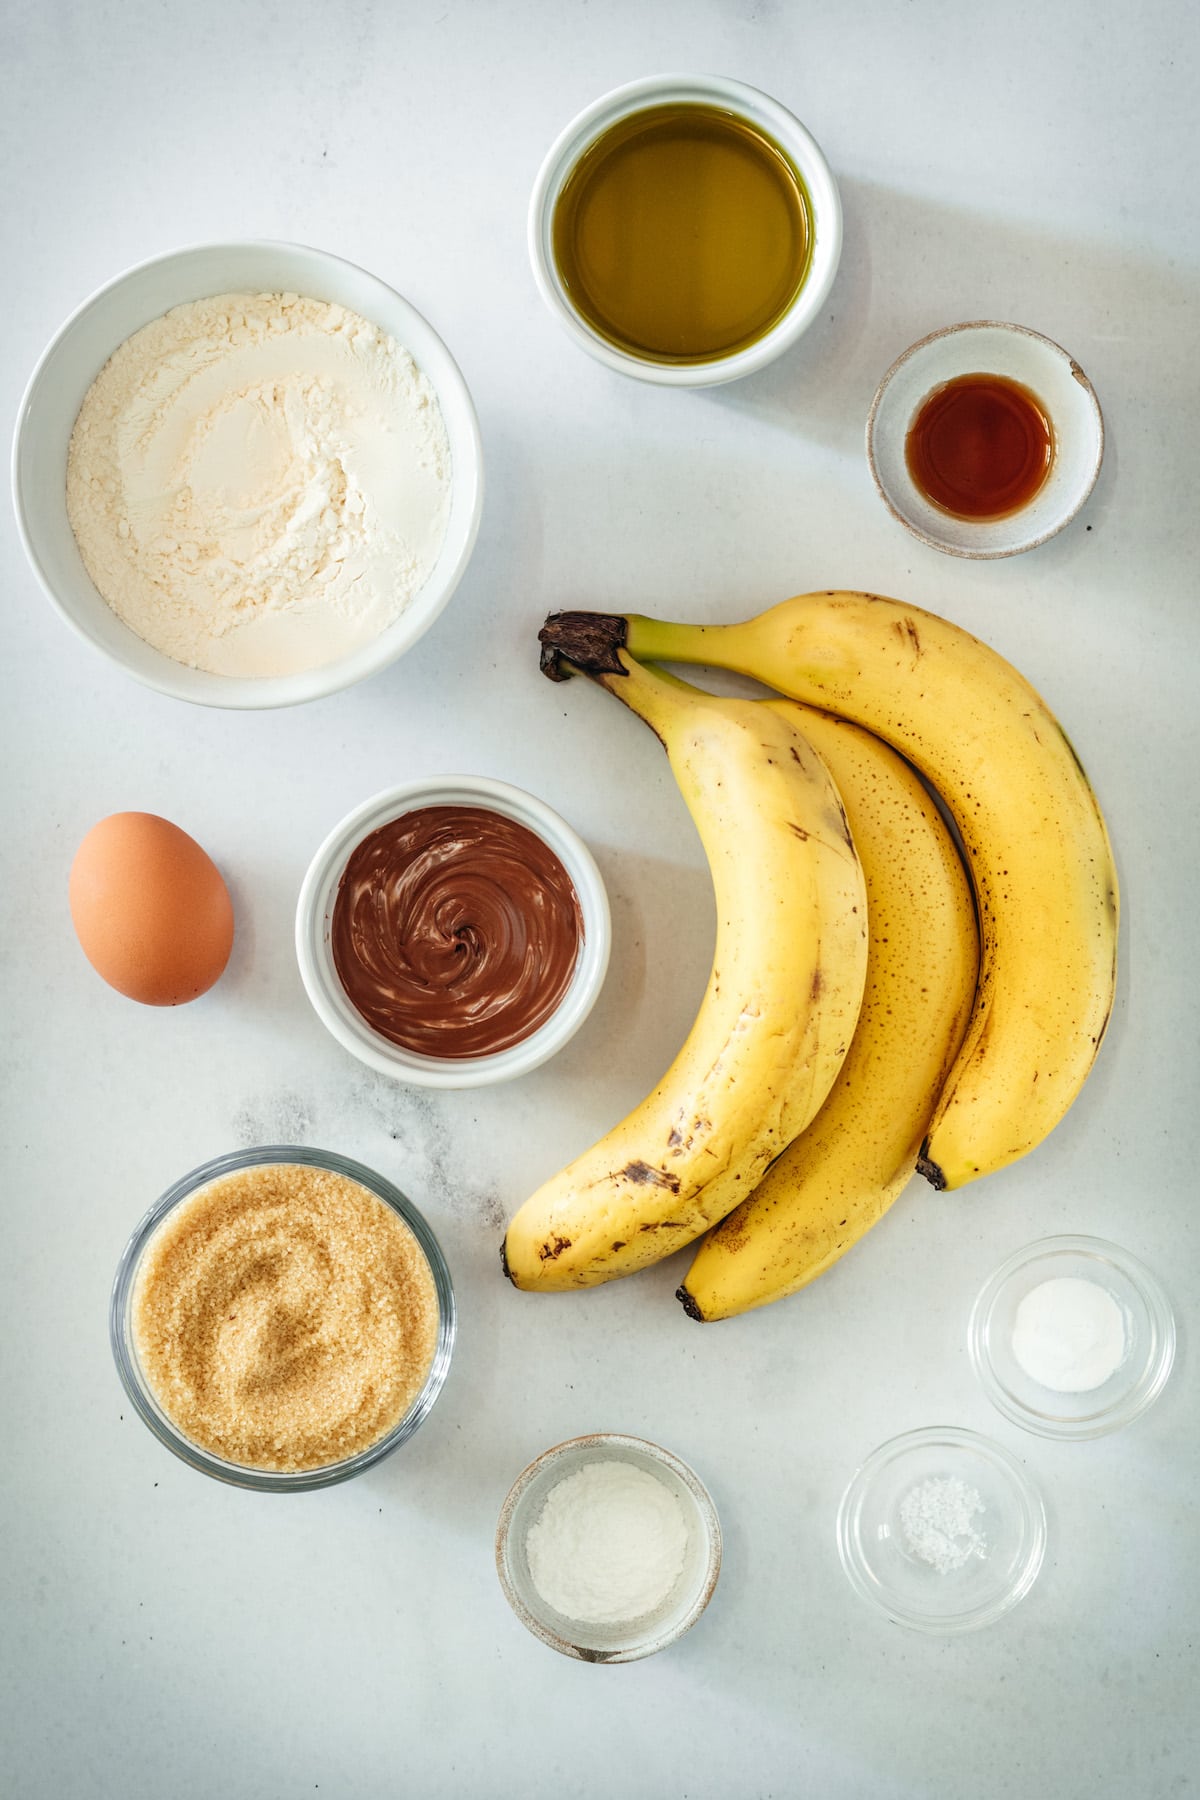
[
  {"x": 75, "y": 356},
  {"x": 987, "y": 347},
  {"x": 314, "y": 923},
  {"x": 778, "y": 124},
  {"x": 609, "y": 1643}
]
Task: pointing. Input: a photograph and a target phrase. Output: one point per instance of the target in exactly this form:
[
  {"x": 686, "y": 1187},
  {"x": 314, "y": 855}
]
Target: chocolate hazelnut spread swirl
[{"x": 455, "y": 931}]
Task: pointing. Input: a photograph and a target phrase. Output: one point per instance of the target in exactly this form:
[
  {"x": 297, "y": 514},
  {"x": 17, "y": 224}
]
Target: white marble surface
[{"x": 164, "y": 1636}]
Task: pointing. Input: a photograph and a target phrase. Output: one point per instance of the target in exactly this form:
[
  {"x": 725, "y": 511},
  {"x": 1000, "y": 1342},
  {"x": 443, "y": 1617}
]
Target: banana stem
[
  {"x": 587, "y": 642},
  {"x": 655, "y": 696},
  {"x": 592, "y": 644},
  {"x": 661, "y": 640}
]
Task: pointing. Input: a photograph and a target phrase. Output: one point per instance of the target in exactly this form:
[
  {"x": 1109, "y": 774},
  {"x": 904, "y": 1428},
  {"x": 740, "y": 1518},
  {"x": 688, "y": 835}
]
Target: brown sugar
[{"x": 285, "y": 1317}]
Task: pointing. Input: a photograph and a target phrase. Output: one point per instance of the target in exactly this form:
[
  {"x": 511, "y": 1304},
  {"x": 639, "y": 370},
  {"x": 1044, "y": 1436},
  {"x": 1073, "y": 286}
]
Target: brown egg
[{"x": 150, "y": 909}]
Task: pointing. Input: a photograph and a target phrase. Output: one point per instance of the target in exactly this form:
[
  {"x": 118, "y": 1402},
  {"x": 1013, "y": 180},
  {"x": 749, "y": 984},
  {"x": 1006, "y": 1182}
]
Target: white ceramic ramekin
[
  {"x": 314, "y": 913},
  {"x": 704, "y": 90},
  {"x": 75, "y": 357},
  {"x": 987, "y": 347}
]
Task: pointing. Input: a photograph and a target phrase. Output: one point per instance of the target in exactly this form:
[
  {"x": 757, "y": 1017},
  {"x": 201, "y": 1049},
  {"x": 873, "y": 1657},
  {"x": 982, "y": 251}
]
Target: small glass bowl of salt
[
  {"x": 941, "y": 1530},
  {"x": 1072, "y": 1337},
  {"x": 608, "y": 1547}
]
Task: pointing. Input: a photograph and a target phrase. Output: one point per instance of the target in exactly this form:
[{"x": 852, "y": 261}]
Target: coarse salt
[{"x": 938, "y": 1519}]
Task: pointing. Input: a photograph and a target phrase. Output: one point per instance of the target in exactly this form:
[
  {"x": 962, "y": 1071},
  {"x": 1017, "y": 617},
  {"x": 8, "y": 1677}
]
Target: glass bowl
[
  {"x": 882, "y": 1565},
  {"x": 609, "y": 1643},
  {"x": 1149, "y": 1334},
  {"x": 274, "y": 1481}
]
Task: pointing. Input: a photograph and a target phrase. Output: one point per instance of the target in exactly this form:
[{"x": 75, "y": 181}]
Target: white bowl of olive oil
[{"x": 685, "y": 229}]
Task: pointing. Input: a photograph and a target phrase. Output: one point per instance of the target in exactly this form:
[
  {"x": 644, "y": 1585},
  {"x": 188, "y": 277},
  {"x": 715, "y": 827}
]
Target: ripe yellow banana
[
  {"x": 1039, "y": 854},
  {"x": 777, "y": 1016},
  {"x": 841, "y": 1175}
]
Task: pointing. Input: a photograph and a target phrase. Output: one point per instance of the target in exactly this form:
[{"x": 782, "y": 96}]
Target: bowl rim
[
  {"x": 975, "y": 554},
  {"x": 631, "y": 97},
  {"x": 370, "y": 1047},
  {"x": 264, "y": 692},
  {"x": 601, "y": 1441},
  {"x": 1127, "y": 1406},
  {"x": 881, "y": 1598},
  {"x": 152, "y": 1414}
]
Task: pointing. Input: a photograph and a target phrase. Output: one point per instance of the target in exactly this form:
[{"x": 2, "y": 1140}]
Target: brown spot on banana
[
  {"x": 906, "y": 629},
  {"x": 644, "y": 1175}
]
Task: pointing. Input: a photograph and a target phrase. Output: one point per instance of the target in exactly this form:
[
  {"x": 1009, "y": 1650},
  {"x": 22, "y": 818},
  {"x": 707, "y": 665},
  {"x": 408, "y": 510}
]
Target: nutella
[{"x": 455, "y": 931}]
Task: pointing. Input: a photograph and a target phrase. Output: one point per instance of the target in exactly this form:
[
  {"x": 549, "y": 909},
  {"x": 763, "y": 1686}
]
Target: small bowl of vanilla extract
[
  {"x": 685, "y": 229},
  {"x": 985, "y": 439}
]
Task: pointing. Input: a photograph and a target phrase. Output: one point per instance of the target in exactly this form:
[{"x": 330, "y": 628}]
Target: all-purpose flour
[{"x": 259, "y": 483}]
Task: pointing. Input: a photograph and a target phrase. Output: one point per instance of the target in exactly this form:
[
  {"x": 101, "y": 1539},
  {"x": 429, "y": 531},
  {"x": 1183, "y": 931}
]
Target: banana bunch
[{"x": 980, "y": 1007}]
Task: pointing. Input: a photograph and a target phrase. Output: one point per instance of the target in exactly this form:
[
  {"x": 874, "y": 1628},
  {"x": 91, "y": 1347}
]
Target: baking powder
[
  {"x": 259, "y": 483},
  {"x": 608, "y": 1545},
  {"x": 1069, "y": 1335}
]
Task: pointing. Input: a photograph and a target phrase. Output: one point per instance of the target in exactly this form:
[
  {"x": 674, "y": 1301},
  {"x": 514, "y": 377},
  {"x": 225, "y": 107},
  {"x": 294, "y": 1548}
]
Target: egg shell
[{"x": 150, "y": 910}]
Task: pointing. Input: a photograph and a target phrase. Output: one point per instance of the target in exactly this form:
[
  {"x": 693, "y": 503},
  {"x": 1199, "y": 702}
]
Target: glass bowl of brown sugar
[{"x": 282, "y": 1318}]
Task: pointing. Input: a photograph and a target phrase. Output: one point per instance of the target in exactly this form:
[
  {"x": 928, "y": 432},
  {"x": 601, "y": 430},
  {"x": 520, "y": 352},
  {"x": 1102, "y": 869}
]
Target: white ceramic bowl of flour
[
  {"x": 692, "y": 1573},
  {"x": 71, "y": 363}
]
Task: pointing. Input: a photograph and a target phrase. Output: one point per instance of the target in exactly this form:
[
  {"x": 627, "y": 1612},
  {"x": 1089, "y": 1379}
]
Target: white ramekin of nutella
[{"x": 453, "y": 932}]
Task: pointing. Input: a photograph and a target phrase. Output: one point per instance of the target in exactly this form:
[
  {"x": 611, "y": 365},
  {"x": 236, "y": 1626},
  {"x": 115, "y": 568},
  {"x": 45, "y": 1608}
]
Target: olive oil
[
  {"x": 980, "y": 447},
  {"x": 683, "y": 234}
]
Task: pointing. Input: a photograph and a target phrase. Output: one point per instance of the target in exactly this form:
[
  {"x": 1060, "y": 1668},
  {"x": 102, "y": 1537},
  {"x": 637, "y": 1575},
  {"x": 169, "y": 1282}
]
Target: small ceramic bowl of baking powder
[
  {"x": 1047, "y": 375},
  {"x": 1073, "y": 1361},
  {"x": 51, "y": 405},
  {"x": 941, "y": 1530},
  {"x": 694, "y": 1550},
  {"x": 467, "y": 922}
]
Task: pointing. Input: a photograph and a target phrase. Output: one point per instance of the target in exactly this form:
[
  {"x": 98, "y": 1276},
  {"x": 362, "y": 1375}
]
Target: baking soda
[{"x": 1069, "y": 1335}]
